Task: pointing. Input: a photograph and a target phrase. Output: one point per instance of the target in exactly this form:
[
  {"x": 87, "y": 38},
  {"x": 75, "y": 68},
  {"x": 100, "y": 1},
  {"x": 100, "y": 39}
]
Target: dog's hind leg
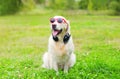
[
  {"x": 72, "y": 59},
  {"x": 46, "y": 63}
]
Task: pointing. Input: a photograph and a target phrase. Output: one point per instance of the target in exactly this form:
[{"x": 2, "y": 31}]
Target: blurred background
[
  {"x": 24, "y": 33},
  {"x": 111, "y": 7}
]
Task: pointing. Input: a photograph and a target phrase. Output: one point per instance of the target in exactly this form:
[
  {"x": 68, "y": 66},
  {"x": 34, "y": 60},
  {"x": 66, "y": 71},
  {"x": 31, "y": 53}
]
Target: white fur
[{"x": 60, "y": 55}]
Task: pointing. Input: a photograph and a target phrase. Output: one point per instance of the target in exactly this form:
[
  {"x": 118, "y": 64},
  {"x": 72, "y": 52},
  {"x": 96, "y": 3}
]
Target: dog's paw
[
  {"x": 57, "y": 73},
  {"x": 65, "y": 71}
]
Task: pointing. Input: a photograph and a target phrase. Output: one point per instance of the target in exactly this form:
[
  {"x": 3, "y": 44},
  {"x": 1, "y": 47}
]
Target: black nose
[{"x": 54, "y": 26}]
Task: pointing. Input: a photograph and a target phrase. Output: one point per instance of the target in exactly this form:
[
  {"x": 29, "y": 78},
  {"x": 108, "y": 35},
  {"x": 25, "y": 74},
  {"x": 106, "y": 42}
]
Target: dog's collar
[{"x": 65, "y": 39}]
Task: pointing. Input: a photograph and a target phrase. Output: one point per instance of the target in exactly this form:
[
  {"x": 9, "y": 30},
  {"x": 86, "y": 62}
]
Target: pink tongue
[{"x": 55, "y": 33}]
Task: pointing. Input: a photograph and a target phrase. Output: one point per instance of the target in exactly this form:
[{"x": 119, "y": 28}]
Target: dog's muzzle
[
  {"x": 54, "y": 26},
  {"x": 55, "y": 31}
]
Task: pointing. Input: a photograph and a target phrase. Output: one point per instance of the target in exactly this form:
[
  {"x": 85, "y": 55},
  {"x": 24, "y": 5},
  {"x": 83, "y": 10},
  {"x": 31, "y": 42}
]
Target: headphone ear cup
[
  {"x": 55, "y": 38},
  {"x": 66, "y": 38}
]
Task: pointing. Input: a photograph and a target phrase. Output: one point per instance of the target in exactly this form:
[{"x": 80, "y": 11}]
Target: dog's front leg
[
  {"x": 55, "y": 67},
  {"x": 66, "y": 68}
]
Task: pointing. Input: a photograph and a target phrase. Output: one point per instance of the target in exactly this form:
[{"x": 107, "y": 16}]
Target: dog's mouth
[{"x": 56, "y": 32}]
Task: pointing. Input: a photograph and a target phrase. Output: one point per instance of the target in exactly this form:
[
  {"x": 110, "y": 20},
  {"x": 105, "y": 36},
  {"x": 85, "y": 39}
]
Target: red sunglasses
[{"x": 59, "y": 20}]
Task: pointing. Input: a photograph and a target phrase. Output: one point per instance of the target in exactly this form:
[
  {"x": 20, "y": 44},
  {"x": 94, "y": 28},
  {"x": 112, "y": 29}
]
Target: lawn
[{"x": 24, "y": 39}]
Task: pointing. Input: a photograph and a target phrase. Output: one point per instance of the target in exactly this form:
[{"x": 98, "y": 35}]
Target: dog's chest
[{"x": 60, "y": 49}]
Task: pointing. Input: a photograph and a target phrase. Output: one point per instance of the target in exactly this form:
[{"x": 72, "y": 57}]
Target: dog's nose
[{"x": 54, "y": 26}]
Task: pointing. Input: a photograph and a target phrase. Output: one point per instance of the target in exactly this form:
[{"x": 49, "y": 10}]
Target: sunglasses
[{"x": 59, "y": 20}]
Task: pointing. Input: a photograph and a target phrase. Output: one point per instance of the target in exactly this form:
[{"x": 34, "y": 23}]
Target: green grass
[{"x": 24, "y": 39}]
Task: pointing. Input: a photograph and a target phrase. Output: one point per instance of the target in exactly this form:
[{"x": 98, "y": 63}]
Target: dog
[{"x": 60, "y": 53}]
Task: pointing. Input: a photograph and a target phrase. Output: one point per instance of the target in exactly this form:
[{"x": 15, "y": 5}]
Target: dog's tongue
[{"x": 55, "y": 33}]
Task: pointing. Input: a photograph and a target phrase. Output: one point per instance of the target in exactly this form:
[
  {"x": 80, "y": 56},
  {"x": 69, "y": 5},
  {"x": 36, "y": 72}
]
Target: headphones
[{"x": 65, "y": 39}]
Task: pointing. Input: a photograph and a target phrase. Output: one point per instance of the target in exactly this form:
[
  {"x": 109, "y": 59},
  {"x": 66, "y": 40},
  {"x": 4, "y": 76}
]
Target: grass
[{"x": 24, "y": 39}]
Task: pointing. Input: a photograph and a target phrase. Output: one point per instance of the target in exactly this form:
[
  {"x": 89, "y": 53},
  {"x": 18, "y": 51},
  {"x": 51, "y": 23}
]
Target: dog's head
[{"x": 59, "y": 25}]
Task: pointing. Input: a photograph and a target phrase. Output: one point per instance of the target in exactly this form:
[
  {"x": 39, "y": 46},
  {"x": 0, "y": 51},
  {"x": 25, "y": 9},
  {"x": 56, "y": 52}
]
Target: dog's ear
[
  {"x": 68, "y": 21},
  {"x": 68, "y": 27}
]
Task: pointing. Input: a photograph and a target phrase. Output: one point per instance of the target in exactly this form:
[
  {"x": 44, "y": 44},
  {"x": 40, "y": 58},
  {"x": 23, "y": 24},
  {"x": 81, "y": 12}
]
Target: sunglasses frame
[{"x": 56, "y": 19}]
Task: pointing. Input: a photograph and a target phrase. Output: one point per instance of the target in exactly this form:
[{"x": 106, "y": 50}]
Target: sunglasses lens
[
  {"x": 52, "y": 20},
  {"x": 59, "y": 20}
]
